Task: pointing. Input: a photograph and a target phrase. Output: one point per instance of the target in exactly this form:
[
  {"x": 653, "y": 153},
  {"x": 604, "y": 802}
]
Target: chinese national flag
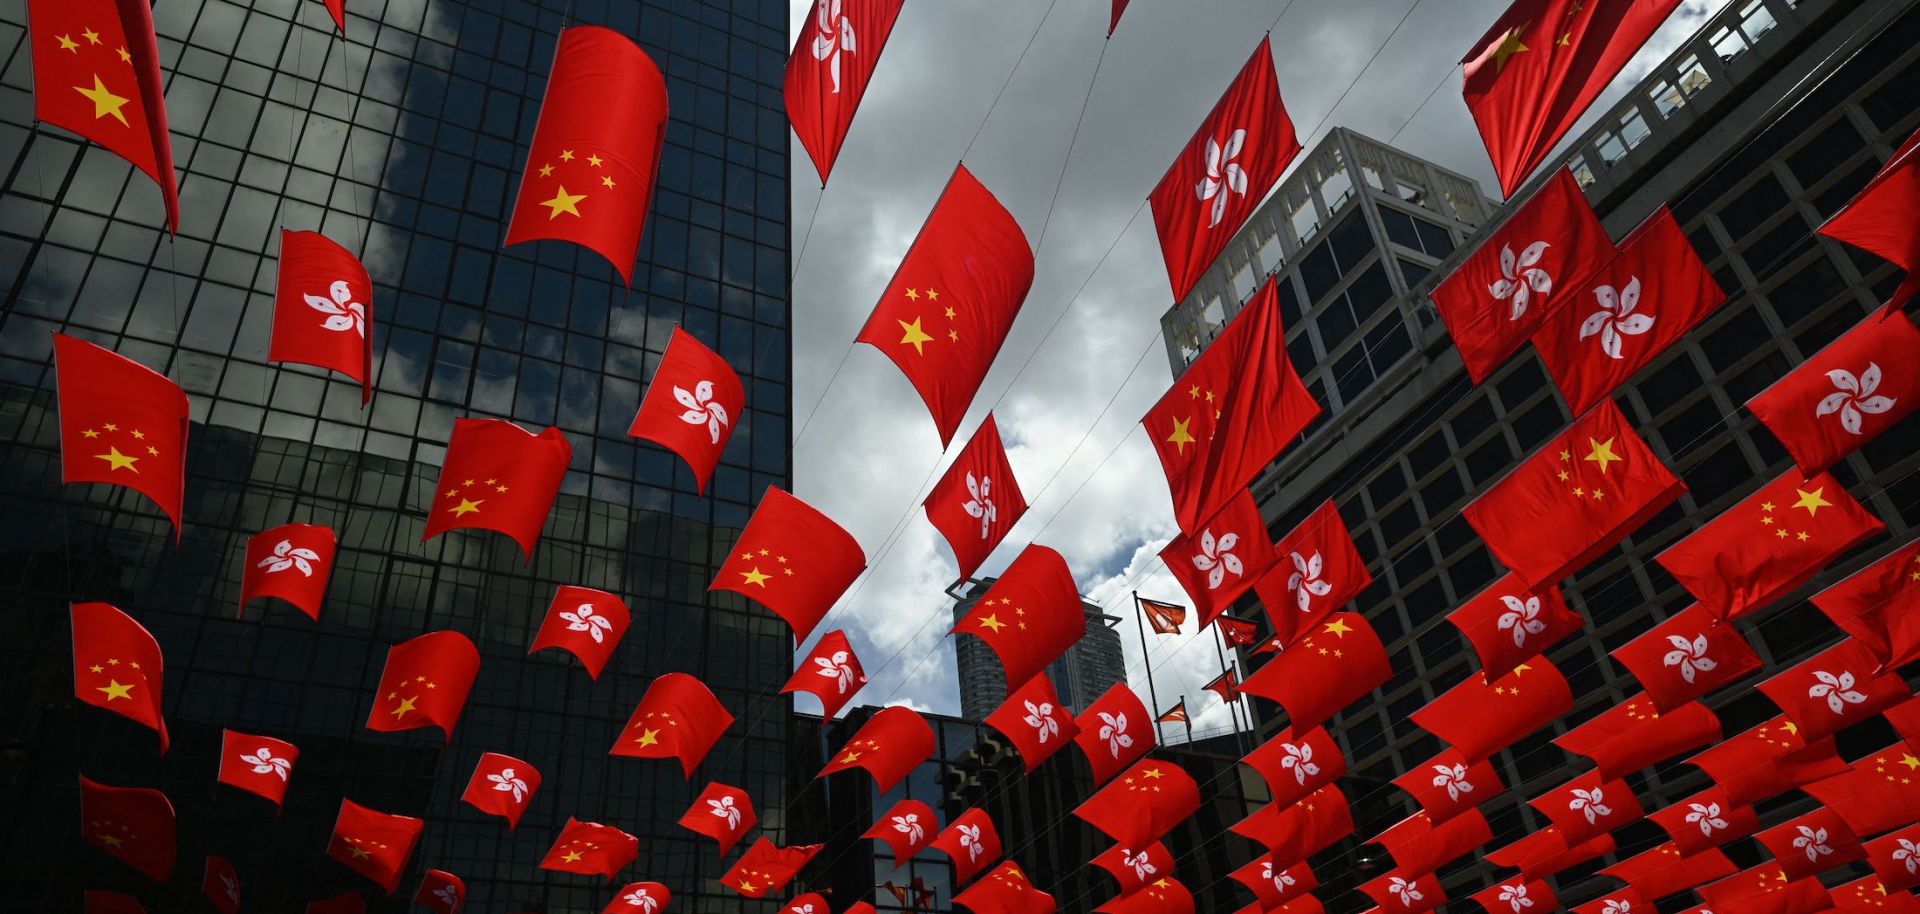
[
  {"x": 95, "y": 901},
  {"x": 1400, "y": 892},
  {"x": 425, "y": 683},
  {"x": 1897, "y": 871},
  {"x": 117, "y": 666},
  {"x": 1132, "y": 869},
  {"x": 1769, "y": 759},
  {"x": 1835, "y": 689},
  {"x": 832, "y": 62},
  {"x": 1294, "y": 768},
  {"x": 1545, "y": 853},
  {"x": 1224, "y": 171},
  {"x": 1521, "y": 896},
  {"x": 1633, "y": 735},
  {"x": 1419, "y": 845},
  {"x": 498, "y": 476},
  {"x": 1770, "y": 543},
  {"x": 1868, "y": 895},
  {"x": 502, "y": 786},
  {"x": 766, "y": 868},
  {"x": 1532, "y": 75},
  {"x": 134, "y": 825},
  {"x": 1846, "y": 394},
  {"x": 1325, "y": 672},
  {"x": 692, "y": 406},
  {"x": 1706, "y": 820},
  {"x": 1587, "y": 807},
  {"x": 1879, "y": 605},
  {"x": 1878, "y": 793},
  {"x": 323, "y": 309},
  {"x": 1030, "y": 615},
  {"x": 1035, "y": 721},
  {"x": 373, "y": 843},
  {"x": 1765, "y": 889},
  {"x": 1114, "y": 731},
  {"x": 888, "y": 746},
  {"x": 977, "y": 501},
  {"x": 1275, "y": 885},
  {"x": 1164, "y": 895},
  {"x": 291, "y": 562},
  {"x": 793, "y": 560},
  {"x": 1005, "y": 890},
  {"x": 1687, "y": 656},
  {"x": 121, "y": 423},
  {"x": 679, "y": 717},
  {"x": 972, "y": 841},
  {"x": 723, "y": 813},
  {"x": 1663, "y": 870},
  {"x": 1880, "y": 218},
  {"x": 1480, "y": 718},
  {"x": 591, "y": 849},
  {"x": 586, "y": 623},
  {"x": 1510, "y": 623},
  {"x": 259, "y": 765},
  {"x": 442, "y": 892},
  {"x": 831, "y": 673},
  {"x": 1526, "y": 271},
  {"x": 951, "y": 302},
  {"x": 1163, "y": 618},
  {"x": 603, "y": 121},
  {"x": 639, "y": 898},
  {"x": 1143, "y": 804},
  {"x": 1447, "y": 785},
  {"x": 1221, "y": 562},
  {"x": 1574, "y": 498},
  {"x": 1319, "y": 570},
  {"x": 1811, "y": 844},
  {"x": 1293, "y": 833},
  {"x": 1230, "y": 413},
  {"x": 906, "y": 828}
]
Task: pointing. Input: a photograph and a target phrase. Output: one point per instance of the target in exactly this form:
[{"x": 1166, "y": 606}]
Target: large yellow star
[
  {"x": 1908, "y": 760},
  {"x": 118, "y": 461},
  {"x": 562, "y": 202},
  {"x": 913, "y": 334},
  {"x": 1181, "y": 436},
  {"x": 1153, "y": 773},
  {"x": 570, "y": 857},
  {"x": 110, "y": 841},
  {"x": 406, "y": 704},
  {"x": 114, "y": 690},
  {"x": 358, "y": 852},
  {"x": 1337, "y": 627},
  {"x": 1509, "y": 45},
  {"x": 755, "y": 576},
  {"x": 104, "y": 103},
  {"x": 1812, "y": 501},
  {"x": 1602, "y": 453},
  {"x": 649, "y": 738},
  {"x": 467, "y": 506},
  {"x": 993, "y": 622},
  {"x": 748, "y": 887}
]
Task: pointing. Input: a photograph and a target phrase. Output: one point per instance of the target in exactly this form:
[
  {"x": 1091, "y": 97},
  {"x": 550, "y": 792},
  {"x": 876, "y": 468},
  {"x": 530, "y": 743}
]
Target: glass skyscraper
[{"x": 402, "y": 141}]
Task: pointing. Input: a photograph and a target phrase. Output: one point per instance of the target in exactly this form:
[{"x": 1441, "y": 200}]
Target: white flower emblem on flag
[
  {"x": 1521, "y": 277},
  {"x": 265, "y": 762},
  {"x": 1522, "y": 618},
  {"x": 802, "y": 908},
  {"x": 1838, "y": 690},
  {"x": 1040, "y": 718},
  {"x": 724, "y": 808},
  {"x": 970, "y": 839},
  {"x": 1300, "y": 760},
  {"x": 586, "y": 620},
  {"x": 701, "y": 408},
  {"x": 1516, "y": 897},
  {"x": 232, "y": 888},
  {"x": 509, "y": 781},
  {"x": 1622, "y": 906},
  {"x": 1853, "y": 396},
  {"x": 1404, "y": 890},
  {"x": 835, "y": 667},
  {"x": 1690, "y": 656},
  {"x": 1113, "y": 729},
  {"x": 1142, "y": 867},
  {"x": 286, "y": 556},
  {"x": 1216, "y": 557},
  {"x": 1707, "y": 816},
  {"x": 1812, "y": 842},
  {"x": 981, "y": 505},
  {"x": 909, "y": 825},
  {"x": 1616, "y": 320},
  {"x": 1908, "y": 855},
  {"x": 1224, "y": 177},
  {"x": 1305, "y": 581},
  {"x": 1589, "y": 803},
  {"x": 642, "y": 899},
  {"x": 448, "y": 896},
  {"x": 1454, "y": 779},
  {"x": 343, "y": 313},
  {"x": 836, "y": 35},
  {"x": 1281, "y": 879}
]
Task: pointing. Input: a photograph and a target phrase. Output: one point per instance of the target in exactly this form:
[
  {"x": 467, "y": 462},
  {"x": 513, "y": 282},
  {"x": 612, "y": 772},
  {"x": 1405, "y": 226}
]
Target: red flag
[
  {"x": 1005, "y": 890},
  {"x": 1835, "y": 689},
  {"x": 1587, "y": 807},
  {"x": 678, "y": 717},
  {"x": 972, "y": 841},
  {"x": 323, "y": 309},
  {"x": 1226, "y": 685},
  {"x": 221, "y": 885},
  {"x": 498, "y": 476},
  {"x": 1030, "y": 615},
  {"x": 121, "y": 423},
  {"x": 1402, "y": 893},
  {"x": 766, "y": 868},
  {"x": 894, "y": 740},
  {"x": 1293, "y": 833},
  {"x": 96, "y": 901},
  {"x": 1905, "y": 718},
  {"x": 1480, "y": 718},
  {"x": 591, "y": 849},
  {"x": 1223, "y": 173},
  {"x": 1706, "y": 820},
  {"x": 722, "y": 813},
  {"x": 1573, "y": 499},
  {"x": 603, "y": 121},
  {"x": 806, "y": 904},
  {"x": 1275, "y": 885},
  {"x": 96, "y": 72},
  {"x": 830, "y": 673},
  {"x": 1846, "y": 394},
  {"x": 1114, "y": 731},
  {"x": 1035, "y": 721},
  {"x": 1113, "y": 21},
  {"x": 118, "y": 666},
  {"x": 425, "y": 683},
  {"x": 977, "y": 501},
  {"x": 1876, "y": 793},
  {"x": 1538, "y": 68},
  {"x": 259, "y": 765},
  {"x": 1163, "y": 618},
  {"x": 1769, "y": 759},
  {"x": 1236, "y": 406},
  {"x": 1765, "y": 889},
  {"x": 442, "y": 891},
  {"x": 1221, "y": 562},
  {"x": 502, "y": 786},
  {"x": 1143, "y": 804},
  {"x": 1545, "y": 853},
  {"x": 907, "y": 828},
  {"x": 1419, "y": 845},
  {"x": 1663, "y": 871},
  {"x": 1135, "y": 870},
  {"x": 1447, "y": 785},
  {"x": 1623, "y": 900},
  {"x": 1318, "y": 571},
  {"x": 1294, "y": 768},
  {"x": 1509, "y": 623},
  {"x": 1174, "y": 715},
  {"x": 793, "y": 560},
  {"x": 1325, "y": 672},
  {"x": 951, "y": 302},
  {"x": 373, "y": 843},
  {"x": 1895, "y": 858},
  {"x": 1880, "y": 607},
  {"x": 343, "y": 903},
  {"x": 1633, "y": 735},
  {"x": 832, "y": 62},
  {"x": 134, "y": 825},
  {"x": 1773, "y": 541},
  {"x": 639, "y": 898},
  {"x": 1867, "y": 895},
  {"x": 1235, "y": 631},
  {"x": 1812, "y": 844},
  {"x": 1880, "y": 219},
  {"x": 1165, "y": 895},
  {"x": 586, "y": 623},
  {"x": 292, "y": 562},
  {"x": 692, "y": 405},
  {"x": 1689, "y": 655},
  {"x": 1520, "y": 896},
  {"x": 338, "y": 10}
]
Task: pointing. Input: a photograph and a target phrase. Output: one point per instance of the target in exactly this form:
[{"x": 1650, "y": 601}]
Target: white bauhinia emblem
[
  {"x": 836, "y": 35},
  {"x": 448, "y": 896},
  {"x": 970, "y": 839},
  {"x": 805, "y": 907},
  {"x": 1040, "y": 718},
  {"x": 725, "y": 808},
  {"x": 1837, "y": 689},
  {"x": 509, "y": 781},
  {"x": 1404, "y": 890},
  {"x": 701, "y": 408},
  {"x": 642, "y": 899},
  {"x": 586, "y": 620},
  {"x": 1300, "y": 760},
  {"x": 1142, "y": 867},
  {"x": 1113, "y": 729},
  {"x": 1281, "y": 879},
  {"x": 909, "y": 825},
  {"x": 232, "y": 887},
  {"x": 343, "y": 313},
  {"x": 1622, "y": 906},
  {"x": 1591, "y": 803},
  {"x": 1616, "y": 320},
  {"x": 1305, "y": 582},
  {"x": 1216, "y": 557},
  {"x": 1812, "y": 842},
  {"x": 837, "y": 668},
  {"x": 1907, "y": 855},
  {"x": 1522, "y": 618},
  {"x": 1707, "y": 816},
  {"x": 1853, "y": 397},
  {"x": 1224, "y": 177},
  {"x": 981, "y": 504},
  {"x": 1690, "y": 656},
  {"x": 265, "y": 762},
  {"x": 286, "y": 555},
  {"x": 1520, "y": 277},
  {"x": 1516, "y": 897},
  {"x": 1453, "y": 779}
]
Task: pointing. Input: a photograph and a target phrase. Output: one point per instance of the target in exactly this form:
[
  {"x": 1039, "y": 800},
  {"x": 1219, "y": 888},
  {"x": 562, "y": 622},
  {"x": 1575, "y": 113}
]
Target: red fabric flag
[
  {"x": 1879, "y": 605},
  {"x": 1005, "y": 890},
  {"x": 1538, "y": 68},
  {"x": 259, "y": 765},
  {"x": 1113, "y": 21},
  {"x": 441, "y": 891},
  {"x": 1293, "y": 833},
  {"x": 1767, "y": 760},
  {"x": 1509, "y": 623},
  {"x": 1905, "y": 718},
  {"x": 1480, "y": 718},
  {"x": 831, "y": 673},
  {"x": 1418, "y": 845},
  {"x": 1895, "y": 858},
  {"x": 793, "y": 560},
  {"x": 907, "y": 829},
  {"x": 639, "y": 898},
  {"x": 1876, "y": 793},
  {"x": 1221, "y": 562},
  {"x": 1223, "y": 173},
  {"x": 1812, "y": 844},
  {"x": 1835, "y": 689},
  {"x": 832, "y": 62},
  {"x": 1402, "y": 893},
  {"x": 1520, "y": 896},
  {"x": 1587, "y": 807},
  {"x": 1765, "y": 889},
  {"x": 1165, "y": 895},
  {"x": 134, "y": 825},
  {"x": 221, "y": 885},
  {"x": 978, "y": 500},
  {"x": 1623, "y": 900},
  {"x": 1163, "y": 618},
  {"x": 586, "y": 623},
  {"x": 1294, "y": 768},
  {"x": 96, "y": 901},
  {"x": 766, "y": 868},
  {"x": 291, "y": 562},
  {"x": 1523, "y": 273},
  {"x": 1447, "y": 785},
  {"x": 1325, "y": 672},
  {"x": 591, "y": 849},
  {"x": 972, "y": 841},
  {"x": 1235, "y": 631},
  {"x": 1114, "y": 732},
  {"x": 678, "y": 717},
  {"x": 1143, "y": 804},
  {"x": 373, "y": 843},
  {"x": 96, "y": 72},
  {"x": 808, "y": 903},
  {"x": 118, "y": 666},
  {"x": 1035, "y": 721},
  {"x": 121, "y": 423},
  {"x": 1663, "y": 871},
  {"x": 1880, "y": 220},
  {"x": 1846, "y": 394},
  {"x": 1226, "y": 685},
  {"x": 1633, "y": 735},
  {"x": 499, "y": 476},
  {"x": 1574, "y": 498},
  {"x": 1237, "y": 405},
  {"x": 723, "y": 813},
  {"x": 338, "y": 10},
  {"x": 1274, "y": 885},
  {"x": 1707, "y": 819},
  {"x": 1867, "y": 895},
  {"x": 1545, "y": 852},
  {"x": 343, "y": 903},
  {"x": 502, "y": 786},
  {"x": 1030, "y": 615},
  {"x": 1135, "y": 870},
  {"x": 425, "y": 683},
  {"x": 1305, "y": 904},
  {"x": 888, "y": 746},
  {"x": 1689, "y": 655},
  {"x": 692, "y": 406},
  {"x": 603, "y": 121},
  {"x": 1174, "y": 715},
  {"x": 323, "y": 309}
]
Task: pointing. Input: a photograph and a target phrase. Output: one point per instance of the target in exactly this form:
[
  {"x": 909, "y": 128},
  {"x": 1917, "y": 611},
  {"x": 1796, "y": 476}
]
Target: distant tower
[{"x": 1088, "y": 669}]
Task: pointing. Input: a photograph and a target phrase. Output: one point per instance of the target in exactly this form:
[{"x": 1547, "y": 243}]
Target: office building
[{"x": 1085, "y": 672}]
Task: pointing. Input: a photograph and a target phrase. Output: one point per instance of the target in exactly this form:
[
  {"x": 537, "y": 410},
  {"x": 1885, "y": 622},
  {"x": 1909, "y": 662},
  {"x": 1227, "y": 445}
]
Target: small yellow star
[
  {"x": 91, "y": 36},
  {"x": 953, "y": 335},
  {"x": 110, "y": 426},
  {"x": 1602, "y": 453},
  {"x": 89, "y": 433},
  {"x": 913, "y": 334},
  {"x": 755, "y": 576},
  {"x": 546, "y": 171},
  {"x": 1812, "y": 501},
  {"x": 594, "y": 160},
  {"x": 566, "y": 155},
  {"x": 934, "y": 296},
  {"x": 114, "y": 690},
  {"x": 68, "y": 44},
  {"x": 124, "y": 56},
  {"x": 993, "y": 622},
  {"x": 500, "y": 488},
  {"x": 1181, "y": 436},
  {"x": 913, "y": 295},
  {"x": 467, "y": 506},
  {"x": 562, "y": 202},
  {"x": 607, "y": 182},
  {"x": 97, "y": 668},
  {"x": 949, "y": 314},
  {"x": 139, "y": 435}
]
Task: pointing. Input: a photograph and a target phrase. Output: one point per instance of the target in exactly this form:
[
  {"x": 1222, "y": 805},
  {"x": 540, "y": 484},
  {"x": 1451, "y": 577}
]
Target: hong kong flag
[
  {"x": 1663, "y": 870},
  {"x": 1868, "y": 895},
  {"x": 117, "y": 666},
  {"x": 591, "y": 849},
  {"x": 291, "y": 562},
  {"x": 1164, "y": 895},
  {"x": 258, "y": 765},
  {"x": 1767, "y": 760},
  {"x": 950, "y": 304},
  {"x": 1587, "y": 807},
  {"x": 221, "y": 885},
  {"x": 1892, "y": 857},
  {"x": 1399, "y": 892},
  {"x": 793, "y": 560},
  {"x": 1145, "y": 802},
  {"x": 425, "y": 683},
  {"x": 1135, "y": 869},
  {"x": 1275, "y": 885},
  {"x": 1880, "y": 218},
  {"x": 1447, "y": 785},
  {"x": 603, "y": 121},
  {"x": 1114, "y": 732},
  {"x": 1164, "y": 618},
  {"x": 1480, "y": 718},
  {"x": 1030, "y": 615},
  {"x": 831, "y": 672},
  {"x": 1235, "y": 631},
  {"x": 1223, "y": 172},
  {"x": 498, "y": 476},
  {"x": 977, "y": 501},
  {"x": 1005, "y": 890},
  {"x": 373, "y": 843},
  {"x": 1812, "y": 844},
  {"x": 1521, "y": 896},
  {"x": 766, "y": 868},
  {"x": 1879, "y": 605},
  {"x": 1035, "y": 721},
  {"x": 503, "y": 786},
  {"x": 639, "y": 898},
  {"x": 1876, "y": 793},
  {"x": 586, "y": 623},
  {"x": 1846, "y": 394},
  {"x": 1707, "y": 819},
  {"x": 1328, "y": 670},
  {"x": 906, "y": 828},
  {"x": 121, "y": 423},
  {"x": 1623, "y": 900},
  {"x": 1689, "y": 655},
  {"x": 1510, "y": 623},
  {"x": 832, "y": 62},
  {"x": 723, "y": 813},
  {"x": 323, "y": 309},
  {"x": 1634, "y": 734},
  {"x": 442, "y": 892},
  {"x": 1835, "y": 689},
  {"x": 1221, "y": 562},
  {"x": 1318, "y": 571},
  {"x": 692, "y": 405},
  {"x": 134, "y": 825},
  {"x": 1295, "y": 767},
  {"x": 972, "y": 841},
  {"x": 679, "y": 717},
  {"x": 888, "y": 746}
]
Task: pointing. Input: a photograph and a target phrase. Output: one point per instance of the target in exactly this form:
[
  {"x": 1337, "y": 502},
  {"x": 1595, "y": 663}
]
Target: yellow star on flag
[
  {"x": 649, "y": 738},
  {"x": 118, "y": 461},
  {"x": 571, "y": 857},
  {"x": 913, "y": 334},
  {"x": 562, "y": 202},
  {"x": 115, "y": 689},
  {"x": 467, "y": 506},
  {"x": 104, "y": 103},
  {"x": 993, "y": 622},
  {"x": 1181, "y": 436},
  {"x": 1509, "y": 45},
  {"x": 1337, "y": 627},
  {"x": 1602, "y": 453},
  {"x": 406, "y": 704},
  {"x": 755, "y": 576},
  {"x": 68, "y": 44},
  {"x": 1812, "y": 501}
]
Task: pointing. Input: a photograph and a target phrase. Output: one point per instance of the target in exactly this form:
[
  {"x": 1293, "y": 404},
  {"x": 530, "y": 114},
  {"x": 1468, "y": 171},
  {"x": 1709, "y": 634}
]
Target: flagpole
[
  {"x": 1140, "y": 622},
  {"x": 1187, "y": 719}
]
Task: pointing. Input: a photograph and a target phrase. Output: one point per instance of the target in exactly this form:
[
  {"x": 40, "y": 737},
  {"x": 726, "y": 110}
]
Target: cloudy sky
[{"x": 1067, "y": 397}]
